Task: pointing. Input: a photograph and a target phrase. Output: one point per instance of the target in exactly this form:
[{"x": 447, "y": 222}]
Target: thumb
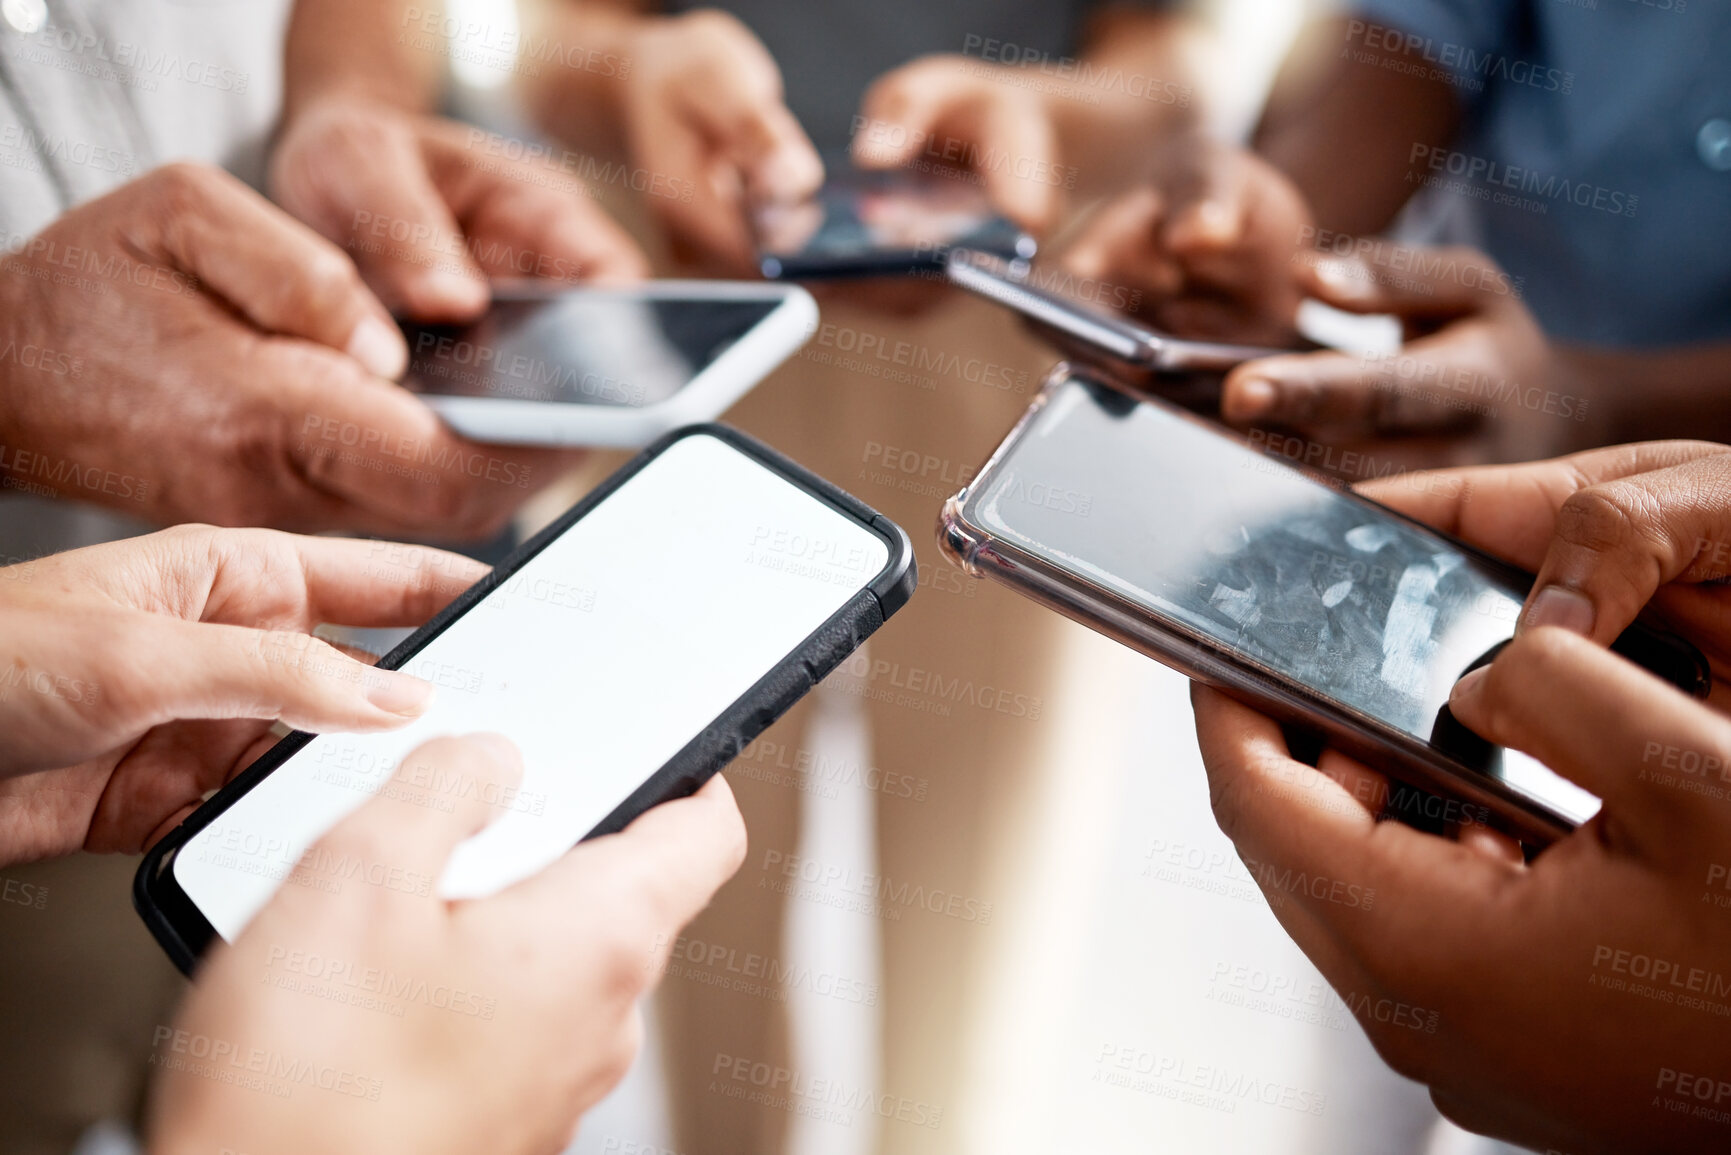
[
  {"x": 897, "y": 117},
  {"x": 472, "y": 775},
  {"x": 274, "y": 271},
  {"x": 1119, "y": 242},
  {"x": 1209, "y": 210},
  {"x": 1027, "y": 188},
  {"x": 780, "y": 163}
]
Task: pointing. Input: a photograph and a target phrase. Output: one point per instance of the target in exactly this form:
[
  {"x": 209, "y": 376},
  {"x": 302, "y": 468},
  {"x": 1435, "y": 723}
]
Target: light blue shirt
[{"x": 1596, "y": 159}]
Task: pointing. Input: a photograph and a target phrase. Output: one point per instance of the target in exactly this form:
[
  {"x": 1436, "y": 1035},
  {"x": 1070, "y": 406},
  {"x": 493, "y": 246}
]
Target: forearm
[
  {"x": 377, "y": 50},
  {"x": 1134, "y": 85},
  {"x": 582, "y": 105},
  {"x": 1343, "y": 127}
]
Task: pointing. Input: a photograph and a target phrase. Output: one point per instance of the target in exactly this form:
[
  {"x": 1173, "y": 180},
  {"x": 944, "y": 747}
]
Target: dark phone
[
  {"x": 1317, "y": 606},
  {"x": 882, "y": 224},
  {"x": 631, "y": 649},
  {"x": 1178, "y": 370}
]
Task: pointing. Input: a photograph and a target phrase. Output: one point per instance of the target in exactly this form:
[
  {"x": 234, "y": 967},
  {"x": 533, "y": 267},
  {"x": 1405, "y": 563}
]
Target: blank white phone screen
[{"x": 601, "y": 658}]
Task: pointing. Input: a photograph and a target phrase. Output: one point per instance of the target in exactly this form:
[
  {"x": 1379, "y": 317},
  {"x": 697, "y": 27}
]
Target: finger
[
  {"x": 275, "y": 271},
  {"x": 927, "y": 101},
  {"x": 1122, "y": 227},
  {"x": 1303, "y": 835},
  {"x": 210, "y": 671},
  {"x": 169, "y": 669},
  {"x": 1026, "y": 188},
  {"x": 518, "y": 226},
  {"x": 1618, "y": 541},
  {"x": 388, "y": 457},
  {"x": 1305, "y": 390},
  {"x": 1209, "y": 211},
  {"x": 524, "y": 231},
  {"x": 165, "y": 776},
  {"x": 780, "y": 163},
  {"x": 1366, "y": 394},
  {"x": 353, "y": 582},
  {"x": 1514, "y": 511},
  {"x": 364, "y": 181},
  {"x": 1606, "y": 725},
  {"x": 712, "y": 218},
  {"x": 741, "y": 112},
  {"x": 899, "y": 113},
  {"x": 1431, "y": 283},
  {"x": 1493, "y": 844},
  {"x": 664, "y": 867},
  {"x": 396, "y": 828}
]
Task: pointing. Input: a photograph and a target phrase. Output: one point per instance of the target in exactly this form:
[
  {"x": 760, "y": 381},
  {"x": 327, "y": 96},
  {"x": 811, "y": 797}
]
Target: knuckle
[
  {"x": 1601, "y": 518},
  {"x": 326, "y": 287},
  {"x": 186, "y": 185}
]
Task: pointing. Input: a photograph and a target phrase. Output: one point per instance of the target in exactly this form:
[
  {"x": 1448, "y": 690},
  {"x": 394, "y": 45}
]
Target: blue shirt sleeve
[{"x": 1439, "y": 31}]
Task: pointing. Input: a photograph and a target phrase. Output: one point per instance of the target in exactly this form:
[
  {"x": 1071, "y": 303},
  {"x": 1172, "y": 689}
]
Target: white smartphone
[
  {"x": 630, "y": 650},
  {"x": 605, "y": 366}
]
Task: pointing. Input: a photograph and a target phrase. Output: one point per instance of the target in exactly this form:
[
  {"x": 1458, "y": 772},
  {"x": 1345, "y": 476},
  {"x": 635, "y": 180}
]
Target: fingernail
[
  {"x": 789, "y": 175},
  {"x": 1471, "y": 683},
  {"x": 1559, "y": 606},
  {"x": 1252, "y": 398},
  {"x": 456, "y": 291},
  {"x": 1216, "y": 222},
  {"x": 380, "y": 348},
  {"x": 400, "y": 694}
]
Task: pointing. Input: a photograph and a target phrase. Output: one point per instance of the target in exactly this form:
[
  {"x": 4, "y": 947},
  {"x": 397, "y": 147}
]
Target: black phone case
[{"x": 181, "y": 928}]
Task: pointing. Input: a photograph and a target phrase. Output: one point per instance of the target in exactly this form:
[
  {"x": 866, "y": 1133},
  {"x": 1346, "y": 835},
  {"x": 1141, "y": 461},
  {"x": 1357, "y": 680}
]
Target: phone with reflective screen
[
  {"x": 1320, "y": 607},
  {"x": 611, "y": 366},
  {"x": 883, "y": 224},
  {"x": 630, "y": 650},
  {"x": 1102, "y": 337}
]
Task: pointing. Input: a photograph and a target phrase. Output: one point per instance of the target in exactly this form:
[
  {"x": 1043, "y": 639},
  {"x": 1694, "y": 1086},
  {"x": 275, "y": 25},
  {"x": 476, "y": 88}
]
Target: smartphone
[
  {"x": 896, "y": 222},
  {"x": 606, "y": 366},
  {"x": 1323, "y": 609},
  {"x": 1107, "y": 341},
  {"x": 631, "y": 649}
]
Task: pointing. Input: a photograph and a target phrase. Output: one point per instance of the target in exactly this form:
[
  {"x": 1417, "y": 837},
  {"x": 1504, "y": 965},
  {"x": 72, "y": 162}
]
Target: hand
[
  {"x": 962, "y": 113},
  {"x": 1524, "y": 996},
  {"x": 1472, "y": 351},
  {"x": 702, "y": 108},
  {"x": 1538, "y": 1001},
  {"x": 141, "y": 674},
  {"x": 1210, "y": 244},
  {"x": 192, "y": 354},
  {"x": 527, "y": 1014},
  {"x": 1608, "y": 532},
  {"x": 429, "y": 209}
]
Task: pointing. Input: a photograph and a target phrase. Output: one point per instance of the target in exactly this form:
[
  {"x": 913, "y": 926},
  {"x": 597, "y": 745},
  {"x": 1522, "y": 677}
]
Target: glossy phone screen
[
  {"x": 601, "y": 657},
  {"x": 590, "y": 346},
  {"x": 1261, "y": 560}
]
